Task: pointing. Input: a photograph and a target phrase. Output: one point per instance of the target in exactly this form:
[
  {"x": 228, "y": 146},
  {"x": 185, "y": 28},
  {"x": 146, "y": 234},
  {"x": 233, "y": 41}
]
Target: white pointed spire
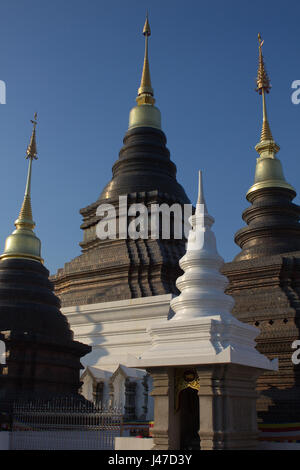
[
  {"x": 202, "y": 285},
  {"x": 201, "y": 218},
  {"x": 201, "y": 199}
]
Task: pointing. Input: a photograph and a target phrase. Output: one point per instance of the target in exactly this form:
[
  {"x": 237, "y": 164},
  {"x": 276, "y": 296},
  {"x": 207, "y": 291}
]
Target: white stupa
[
  {"x": 202, "y": 329},
  {"x": 202, "y": 285}
]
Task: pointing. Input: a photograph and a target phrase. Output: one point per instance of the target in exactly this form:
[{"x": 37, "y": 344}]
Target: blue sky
[{"x": 78, "y": 64}]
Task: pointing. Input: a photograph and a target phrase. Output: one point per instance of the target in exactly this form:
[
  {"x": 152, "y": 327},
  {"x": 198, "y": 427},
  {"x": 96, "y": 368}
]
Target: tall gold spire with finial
[
  {"x": 145, "y": 114},
  {"x": 145, "y": 91},
  {"x": 23, "y": 243},
  {"x": 25, "y": 216},
  {"x": 268, "y": 171},
  {"x": 263, "y": 87}
]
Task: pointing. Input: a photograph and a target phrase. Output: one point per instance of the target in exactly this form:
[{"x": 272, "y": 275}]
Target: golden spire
[
  {"x": 145, "y": 91},
  {"x": 268, "y": 172},
  {"x": 25, "y": 216},
  {"x": 23, "y": 243},
  {"x": 263, "y": 86},
  {"x": 145, "y": 114}
]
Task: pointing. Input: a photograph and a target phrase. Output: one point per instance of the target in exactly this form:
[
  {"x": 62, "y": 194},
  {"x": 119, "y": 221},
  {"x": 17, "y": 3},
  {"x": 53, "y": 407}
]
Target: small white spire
[
  {"x": 202, "y": 285},
  {"x": 200, "y": 221},
  {"x": 201, "y": 199},
  {"x": 201, "y": 217}
]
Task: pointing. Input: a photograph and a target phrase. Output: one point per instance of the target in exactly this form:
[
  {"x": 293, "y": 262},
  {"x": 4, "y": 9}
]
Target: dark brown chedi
[
  {"x": 265, "y": 276},
  {"x": 127, "y": 268},
  {"x": 42, "y": 359}
]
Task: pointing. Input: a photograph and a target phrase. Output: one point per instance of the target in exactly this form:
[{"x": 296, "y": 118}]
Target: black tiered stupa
[
  {"x": 265, "y": 276},
  {"x": 42, "y": 360},
  {"x": 126, "y": 268}
]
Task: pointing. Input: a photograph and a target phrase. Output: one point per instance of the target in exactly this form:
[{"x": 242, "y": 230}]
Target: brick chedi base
[{"x": 267, "y": 295}]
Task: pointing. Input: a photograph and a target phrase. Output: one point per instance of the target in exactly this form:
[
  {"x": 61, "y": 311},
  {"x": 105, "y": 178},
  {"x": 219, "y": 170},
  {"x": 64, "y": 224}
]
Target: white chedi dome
[{"x": 202, "y": 285}]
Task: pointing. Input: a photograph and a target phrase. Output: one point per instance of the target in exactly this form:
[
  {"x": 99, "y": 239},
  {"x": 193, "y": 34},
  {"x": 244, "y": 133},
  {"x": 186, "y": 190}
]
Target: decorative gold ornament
[
  {"x": 185, "y": 378},
  {"x": 263, "y": 86},
  {"x": 263, "y": 81},
  {"x": 31, "y": 149}
]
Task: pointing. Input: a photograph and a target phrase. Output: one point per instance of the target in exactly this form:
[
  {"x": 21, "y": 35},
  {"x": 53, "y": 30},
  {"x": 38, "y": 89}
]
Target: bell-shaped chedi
[
  {"x": 42, "y": 361},
  {"x": 272, "y": 219},
  {"x": 264, "y": 276},
  {"x": 124, "y": 268}
]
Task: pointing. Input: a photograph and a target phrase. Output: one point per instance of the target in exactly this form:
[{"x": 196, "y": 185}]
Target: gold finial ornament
[
  {"x": 23, "y": 243},
  {"x": 262, "y": 81},
  {"x": 145, "y": 114},
  {"x": 268, "y": 171},
  {"x": 263, "y": 86},
  {"x": 146, "y": 29},
  {"x": 31, "y": 149}
]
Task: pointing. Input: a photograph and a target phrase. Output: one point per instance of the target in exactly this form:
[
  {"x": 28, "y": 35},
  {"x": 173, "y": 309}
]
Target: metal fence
[{"x": 64, "y": 425}]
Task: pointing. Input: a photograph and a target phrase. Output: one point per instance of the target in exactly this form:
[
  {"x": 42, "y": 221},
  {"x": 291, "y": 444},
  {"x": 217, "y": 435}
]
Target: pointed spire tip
[
  {"x": 146, "y": 29},
  {"x": 200, "y": 188},
  {"x": 262, "y": 80},
  {"x": 201, "y": 198},
  {"x": 31, "y": 149}
]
